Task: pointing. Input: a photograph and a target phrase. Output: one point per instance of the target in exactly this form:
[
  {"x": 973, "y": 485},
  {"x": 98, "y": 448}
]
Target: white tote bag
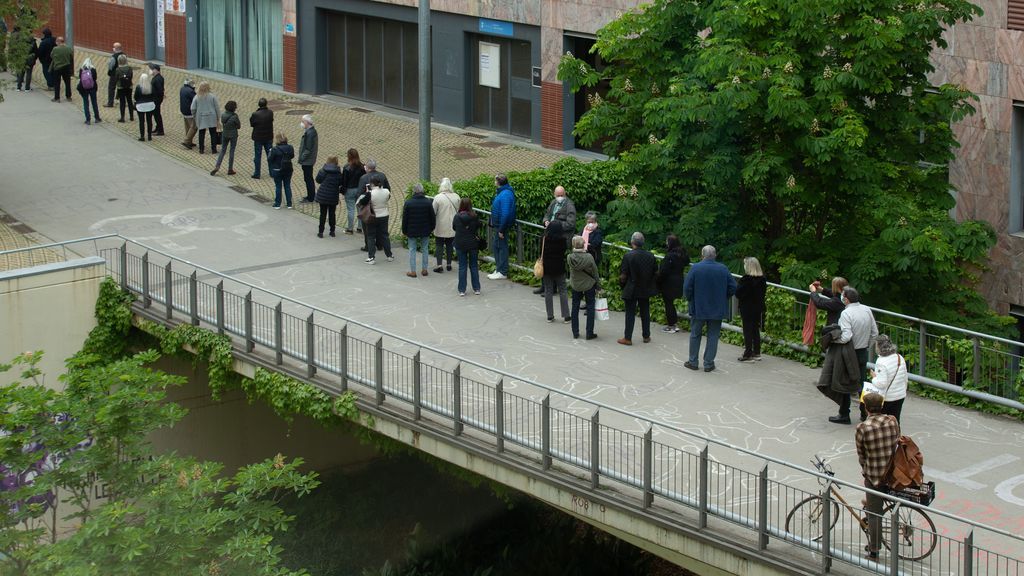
[{"x": 601, "y": 309}]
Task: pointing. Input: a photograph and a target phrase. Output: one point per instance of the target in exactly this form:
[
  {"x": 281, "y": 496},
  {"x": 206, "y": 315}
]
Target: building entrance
[
  {"x": 242, "y": 38},
  {"x": 501, "y": 84},
  {"x": 373, "y": 59}
]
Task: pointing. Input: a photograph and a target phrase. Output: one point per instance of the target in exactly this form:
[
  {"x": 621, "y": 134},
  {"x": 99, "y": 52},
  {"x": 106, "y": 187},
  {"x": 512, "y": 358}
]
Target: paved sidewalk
[{"x": 67, "y": 180}]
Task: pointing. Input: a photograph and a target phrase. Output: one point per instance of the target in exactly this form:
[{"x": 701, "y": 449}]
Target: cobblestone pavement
[
  {"x": 14, "y": 235},
  {"x": 376, "y": 132}
]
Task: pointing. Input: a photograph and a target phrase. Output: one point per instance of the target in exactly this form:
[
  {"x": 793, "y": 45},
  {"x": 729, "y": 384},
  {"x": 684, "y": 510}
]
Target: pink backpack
[{"x": 88, "y": 82}]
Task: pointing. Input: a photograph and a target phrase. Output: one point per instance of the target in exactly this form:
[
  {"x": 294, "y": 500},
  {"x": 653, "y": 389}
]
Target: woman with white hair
[
  {"x": 144, "y": 105},
  {"x": 206, "y": 111},
  {"x": 889, "y": 378},
  {"x": 446, "y": 206},
  {"x": 750, "y": 295},
  {"x": 88, "y": 84}
]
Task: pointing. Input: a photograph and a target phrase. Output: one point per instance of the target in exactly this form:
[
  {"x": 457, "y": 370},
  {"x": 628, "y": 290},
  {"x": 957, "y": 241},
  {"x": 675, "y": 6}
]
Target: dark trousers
[
  {"x": 307, "y": 177},
  {"x": 444, "y": 247},
  {"x": 158, "y": 117},
  {"x": 576, "y": 298},
  {"x": 671, "y": 316},
  {"x": 893, "y": 408},
  {"x": 874, "y": 512},
  {"x": 259, "y": 148},
  {"x": 47, "y": 75},
  {"x": 213, "y": 139},
  {"x": 124, "y": 99},
  {"x": 87, "y": 97},
  {"x": 25, "y": 74},
  {"x": 377, "y": 235},
  {"x": 145, "y": 125},
  {"x": 751, "y": 335},
  {"x": 62, "y": 75},
  {"x": 840, "y": 398},
  {"x": 644, "y": 304},
  {"x": 111, "y": 90},
  {"x": 328, "y": 212}
]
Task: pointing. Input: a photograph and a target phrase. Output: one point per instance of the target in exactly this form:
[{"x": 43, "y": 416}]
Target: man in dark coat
[
  {"x": 111, "y": 72},
  {"x": 308, "y": 149},
  {"x": 185, "y": 97},
  {"x": 636, "y": 276},
  {"x": 62, "y": 60},
  {"x": 417, "y": 224},
  {"x": 262, "y": 123},
  {"x": 157, "y": 81},
  {"x": 24, "y": 74},
  {"x": 46, "y": 45},
  {"x": 708, "y": 287}
]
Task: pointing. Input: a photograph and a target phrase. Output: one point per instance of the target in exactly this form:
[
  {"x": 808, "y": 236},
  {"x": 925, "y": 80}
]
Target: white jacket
[
  {"x": 891, "y": 368},
  {"x": 379, "y": 198},
  {"x": 446, "y": 206}
]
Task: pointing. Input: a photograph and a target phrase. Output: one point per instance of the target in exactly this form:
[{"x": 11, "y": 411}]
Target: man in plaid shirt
[{"x": 876, "y": 440}]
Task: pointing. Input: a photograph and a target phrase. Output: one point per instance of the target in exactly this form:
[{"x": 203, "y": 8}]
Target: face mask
[
  {"x": 591, "y": 226},
  {"x": 560, "y": 199},
  {"x": 302, "y": 125}
]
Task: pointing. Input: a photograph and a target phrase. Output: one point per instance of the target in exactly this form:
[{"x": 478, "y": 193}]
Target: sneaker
[
  {"x": 691, "y": 365},
  {"x": 551, "y": 319},
  {"x": 709, "y": 368},
  {"x": 87, "y": 122},
  {"x": 332, "y": 231},
  {"x": 371, "y": 261},
  {"x": 277, "y": 207},
  {"x": 670, "y": 329},
  {"x": 448, "y": 267},
  {"x": 591, "y": 336},
  {"x": 477, "y": 292},
  {"x": 745, "y": 359},
  {"x": 757, "y": 357},
  {"x": 392, "y": 259},
  {"x": 97, "y": 121},
  {"x": 290, "y": 207},
  {"x": 319, "y": 234},
  {"x": 19, "y": 88},
  {"x": 496, "y": 276},
  {"x": 305, "y": 201},
  {"x": 349, "y": 232},
  {"x": 214, "y": 171},
  {"x": 438, "y": 270},
  {"x": 463, "y": 294},
  {"x": 566, "y": 320}
]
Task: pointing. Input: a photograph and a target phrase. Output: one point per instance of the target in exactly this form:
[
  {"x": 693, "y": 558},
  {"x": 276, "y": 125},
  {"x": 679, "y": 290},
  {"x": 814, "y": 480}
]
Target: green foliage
[
  {"x": 288, "y": 397},
  {"x": 113, "y": 321},
  {"x": 203, "y": 346}
]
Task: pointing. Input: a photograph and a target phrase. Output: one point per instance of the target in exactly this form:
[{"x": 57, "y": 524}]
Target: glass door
[{"x": 502, "y": 99}]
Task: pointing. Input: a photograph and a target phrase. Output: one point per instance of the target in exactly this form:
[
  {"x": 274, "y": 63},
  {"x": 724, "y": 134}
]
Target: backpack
[
  {"x": 905, "y": 465},
  {"x": 124, "y": 77},
  {"x": 88, "y": 82}
]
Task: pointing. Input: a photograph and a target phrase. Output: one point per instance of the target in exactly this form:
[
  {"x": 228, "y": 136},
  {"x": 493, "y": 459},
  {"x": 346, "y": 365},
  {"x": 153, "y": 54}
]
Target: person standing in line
[
  {"x": 327, "y": 195},
  {"x": 206, "y": 111},
  {"x": 670, "y": 280},
  {"x": 708, "y": 287},
  {"x": 62, "y": 58},
  {"x": 262, "y": 123},
  {"x": 377, "y": 228},
  {"x": 467, "y": 245},
  {"x": 185, "y": 97},
  {"x": 561, "y": 208},
  {"x": 583, "y": 279},
  {"x": 125, "y": 77},
  {"x": 112, "y": 65},
  {"x": 831, "y": 301},
  {"x": 87, "y": 87},
  {"x": 144, "y": 106},
  {"x": 446, "y": 206},
  {"x": 593, "y": 240},
  {"x": 308, "y": 148},
  {"x": 157, "y": 80},
  {"x": 503, "y": 218},
  {"x": 231, "y": 124},
  {"x": 46, "y": 45},
  {"x": 750, "y": 295},
  {"x": 24, "y": 75},
  {"x": 553, "y": 257},
  {"x": 890, "y": 376},
  {"x": 279, "y": 164},
  {"x": 363, "y": 186},
  {"x": 637, "y": 276},
  {"x": 351, "y": 174},
  {"x": 858, "y": 327},
  {"x": 417, "y": 224},
  {"x": 875, "y": 439}
]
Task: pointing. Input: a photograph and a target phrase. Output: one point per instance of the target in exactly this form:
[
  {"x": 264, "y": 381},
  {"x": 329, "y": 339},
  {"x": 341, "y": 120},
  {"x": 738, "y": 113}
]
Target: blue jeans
[
  {"x": 256, "y": 158},
  {"x": 468, "y": 260},
  {"x": 87, "y": 97},
  {"x": 286, "y": 180},
  {"x": 225, "y": 144},
  {"x": 424, "y": 245},
  {"x": 714, "y": 329},
  {"x": 500, "y": 251},
  {"x": 576, "y": 297},
  {"x": 351, "y": 195}
]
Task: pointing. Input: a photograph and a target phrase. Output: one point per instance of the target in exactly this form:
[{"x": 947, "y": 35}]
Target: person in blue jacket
[
  {"x": 707, "y": 288},
  {"x": 503, "y": 218}
]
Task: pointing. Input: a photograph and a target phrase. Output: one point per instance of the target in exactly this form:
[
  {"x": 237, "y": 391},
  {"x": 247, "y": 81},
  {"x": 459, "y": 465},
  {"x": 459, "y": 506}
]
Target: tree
[
  {"x": 805, "y": 132},
  {"x": 161, "y": 514},
  {"x": 20, "y": 19}
]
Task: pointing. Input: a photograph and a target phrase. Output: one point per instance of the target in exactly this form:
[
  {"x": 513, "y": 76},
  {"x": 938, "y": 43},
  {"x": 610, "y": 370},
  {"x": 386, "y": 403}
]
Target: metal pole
[
  {"x": 378, "y": 370},
  {"x": 146, "y": 301},
  {"x": 124, "y": 266},
  {"x": 457, "y": 397},
  {"x": 193, "y": 299},
  {"x": 977, "y": 362},
  {"x": 310, "y": 347},
  {"x": 343, "y": 356},
  {"x": 69, "y": 23},
  {"x": 499, "y": 414},
  {"x": 922, "y": 350},
  {"x": 250, "y": 344},
  {"x": 703, "y": 486},
  {"x": 894, "y": 541},
  {"x": 425, "y": 85},
  {"x": 417, "y": 385},
  {"x": 595, "y": 449},
  {"x": 968, "y": 554},
  {"x": 220, "y": 307},
  {"x": 168, "y": 290},
  {"x": 545, "y": 434},
  {"x": 826, "y": 528},
  {"x": 278, "y": 334},
  {"x": 762, "y": 508},
  {"x": 648, "y": 466},
  {"x": 519, "y": 243}
]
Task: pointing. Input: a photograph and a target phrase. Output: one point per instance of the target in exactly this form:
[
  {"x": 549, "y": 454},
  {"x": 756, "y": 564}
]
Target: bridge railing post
[
  {"x": 499, "y": 414},
  {"x": 826, "y": 528},
  {"x": 976, "y": 372},
  {"x": 310, "y": 346},
  {"x": 343, "y": 356},
  {"x": 762, "y": 508},
  {"x": 457, "y": 398},
  {"x": 278, "y": 334},
  {"x": 378, "y": 370},
  {"x": 417, "y": 385},
  {"x": 595, "y": 449},
  {"x": 894, "y": 541},
  {"x": 220, "y": 307},
  {"x": 922, "y": 346},
  {"x": 146, "y": 300},
  {"x": 968, "y": 552},
  {"x": 168, "y": 290},
  {"x": 545, "y": 424},
  {"x": 193, "y": 299},
  {"x": 702, "y": 481},
  {"x": 648, "y": 466},
  {"x": 123, "y": 257},
  {"x": 250, "y": 344},
  {"x": 519, "y": 243}
]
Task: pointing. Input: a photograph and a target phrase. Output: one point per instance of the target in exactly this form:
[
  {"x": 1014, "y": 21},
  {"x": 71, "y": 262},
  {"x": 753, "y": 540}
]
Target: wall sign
[
  {"x": 495, "y": 27},
  {"x": 161, "y": 39},
  {"x": 535, "y": 76},
  {"x": 490, "y": 65}
]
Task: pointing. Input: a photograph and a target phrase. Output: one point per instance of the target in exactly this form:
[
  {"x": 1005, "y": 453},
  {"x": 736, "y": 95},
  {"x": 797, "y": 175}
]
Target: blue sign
[{"x": 496, "y": 27}]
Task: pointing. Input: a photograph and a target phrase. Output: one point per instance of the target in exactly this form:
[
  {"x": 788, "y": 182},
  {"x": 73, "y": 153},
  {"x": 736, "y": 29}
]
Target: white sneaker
[
  {"x": 496, "y": 276},
  {"x": 371, "y": 261},
  {"x": 391, "y": 258}
]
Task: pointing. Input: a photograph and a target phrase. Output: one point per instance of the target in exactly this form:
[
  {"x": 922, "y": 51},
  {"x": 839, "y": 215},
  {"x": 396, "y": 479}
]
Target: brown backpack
[{"x": 905, "y": 465}]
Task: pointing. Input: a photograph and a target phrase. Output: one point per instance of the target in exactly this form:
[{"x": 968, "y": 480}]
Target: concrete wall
[{"x": 49, "y": 308}]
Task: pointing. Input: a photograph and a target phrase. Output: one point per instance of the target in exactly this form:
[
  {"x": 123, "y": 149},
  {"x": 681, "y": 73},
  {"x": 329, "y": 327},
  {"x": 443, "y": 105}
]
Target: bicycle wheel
[
  {"x": 916, "y": 532},
  {"x": 806, "y": 519}
]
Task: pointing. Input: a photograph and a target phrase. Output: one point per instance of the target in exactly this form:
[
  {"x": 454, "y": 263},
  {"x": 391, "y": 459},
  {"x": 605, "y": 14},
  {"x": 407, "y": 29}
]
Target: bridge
[{"x": 701, "y": 469}]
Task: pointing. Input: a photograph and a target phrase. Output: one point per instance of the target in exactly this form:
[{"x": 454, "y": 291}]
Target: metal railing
[
  {"x": 976, "y": 365},
  {"x": 645, "y": 465}
]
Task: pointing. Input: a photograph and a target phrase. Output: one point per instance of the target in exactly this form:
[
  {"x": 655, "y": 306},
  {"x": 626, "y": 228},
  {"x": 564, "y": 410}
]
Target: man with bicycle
[{"x": 876, "y": 439}]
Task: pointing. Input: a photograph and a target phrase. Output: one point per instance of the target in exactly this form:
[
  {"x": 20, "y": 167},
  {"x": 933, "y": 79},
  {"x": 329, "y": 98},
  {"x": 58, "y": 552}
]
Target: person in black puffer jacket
[
  {"x": 553, "y": 257},
  {"x": 417, "y": 224},
  {"x": 670, "y": 280},
  {"x": 279, "y": 164},
  {"x": 467, "y": 245},
  {"x": 327, "y": 195},
  {"x": 750, "y": 294},
  {"x": 262, "y": 123}
]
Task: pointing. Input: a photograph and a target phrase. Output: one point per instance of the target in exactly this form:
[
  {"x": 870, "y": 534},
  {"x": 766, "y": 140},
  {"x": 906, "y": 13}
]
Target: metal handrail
[{"x": 585, "y": 400}]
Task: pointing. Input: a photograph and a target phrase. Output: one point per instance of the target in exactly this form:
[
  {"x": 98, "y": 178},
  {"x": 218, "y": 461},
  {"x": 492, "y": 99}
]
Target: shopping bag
[{"x": 601, "y": 309}]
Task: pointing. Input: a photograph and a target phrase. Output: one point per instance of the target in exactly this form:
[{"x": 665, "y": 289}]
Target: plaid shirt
[{"x": 876, "y": 440}]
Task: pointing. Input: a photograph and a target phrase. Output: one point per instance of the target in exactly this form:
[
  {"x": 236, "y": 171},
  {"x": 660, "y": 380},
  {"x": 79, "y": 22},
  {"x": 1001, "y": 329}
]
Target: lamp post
[{"x": 425, "y": 88}]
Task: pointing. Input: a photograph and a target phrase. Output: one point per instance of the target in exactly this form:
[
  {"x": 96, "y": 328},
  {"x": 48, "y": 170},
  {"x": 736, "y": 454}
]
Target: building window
[
  {"x": 1016, "y": 220},
  {"x": 242, "y": 38},
  {"x": 373, "y": 59},
  {"x": 1015, "y": 14}
]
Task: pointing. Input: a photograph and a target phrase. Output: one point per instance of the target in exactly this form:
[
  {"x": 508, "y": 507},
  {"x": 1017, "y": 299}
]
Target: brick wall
[
  {"x": 56, "y": 20},
  {"x": 175, "y": 48},
  {"x": 99, "y": 24},
  {"x": 551, "y": 115},
  {"x": 291, "y": 64}
]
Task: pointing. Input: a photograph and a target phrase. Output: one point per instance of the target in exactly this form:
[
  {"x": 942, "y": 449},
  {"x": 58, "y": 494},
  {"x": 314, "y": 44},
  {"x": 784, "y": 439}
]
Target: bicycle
[{"x": 916, "y": 530}]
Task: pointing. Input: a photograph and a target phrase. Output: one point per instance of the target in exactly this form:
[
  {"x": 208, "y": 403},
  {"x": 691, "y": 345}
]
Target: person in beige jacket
[{"x": 446, "y": 206}]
